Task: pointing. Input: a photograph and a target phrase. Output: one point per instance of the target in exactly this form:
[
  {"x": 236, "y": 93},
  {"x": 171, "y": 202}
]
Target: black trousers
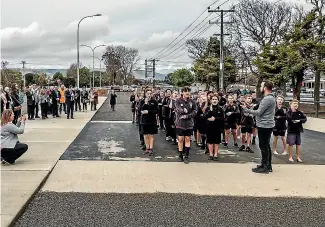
[
  {"x": 44, "y": 109},
  {"x": 64, "y": 108},
  {"x": 70, "y": 106},
  {"x": 161, "y": 121},
  {"x": 17, "y": 114},
  {"x": 55, "y": 111},
  {"x": 77, "y": 105},
  {"x": 12, "y": 154},
  {"x": 30, "y": 111},
  {"x": 84, "y": 106},
  {"x": 264, "y": 137},
  {"x": 36, "y": 109}
]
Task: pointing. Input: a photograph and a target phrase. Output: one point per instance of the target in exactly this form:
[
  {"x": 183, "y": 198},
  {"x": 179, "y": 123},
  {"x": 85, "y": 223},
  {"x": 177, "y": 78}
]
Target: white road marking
[{"x": 110, "y": 122}]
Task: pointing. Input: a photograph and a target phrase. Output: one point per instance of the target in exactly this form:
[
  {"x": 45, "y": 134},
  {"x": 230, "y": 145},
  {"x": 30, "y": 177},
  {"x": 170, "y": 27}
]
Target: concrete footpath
[{"x": 47, "y": 141}]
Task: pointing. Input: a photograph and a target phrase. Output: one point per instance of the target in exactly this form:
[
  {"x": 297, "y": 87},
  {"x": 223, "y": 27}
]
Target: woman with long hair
[
  {"x": 214, "y": 115},
  {"x": 11, "y": 148}
]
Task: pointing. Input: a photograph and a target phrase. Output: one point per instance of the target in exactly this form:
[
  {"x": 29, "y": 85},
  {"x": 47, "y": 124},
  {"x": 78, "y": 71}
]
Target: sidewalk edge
[{"x": 41, "y": 184}]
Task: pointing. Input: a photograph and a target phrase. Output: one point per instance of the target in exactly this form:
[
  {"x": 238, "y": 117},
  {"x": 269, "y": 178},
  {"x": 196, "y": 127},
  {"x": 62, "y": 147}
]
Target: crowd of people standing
[
  {"x": 212, "y": 117},
  {"x": 41, "y": 102}
]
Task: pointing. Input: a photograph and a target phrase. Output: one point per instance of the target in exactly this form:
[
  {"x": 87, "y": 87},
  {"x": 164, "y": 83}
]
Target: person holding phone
[{"x": 11, "y": 148}]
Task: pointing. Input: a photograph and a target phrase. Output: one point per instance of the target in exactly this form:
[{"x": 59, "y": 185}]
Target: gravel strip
[{"x": 162, "y": 209}]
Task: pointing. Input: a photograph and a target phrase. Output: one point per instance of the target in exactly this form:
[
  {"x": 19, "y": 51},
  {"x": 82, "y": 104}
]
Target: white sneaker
[
  {"x": 275, "y": 152},
  {"x": 167, "y": 138},
  {"x": 285, "y": 153}
]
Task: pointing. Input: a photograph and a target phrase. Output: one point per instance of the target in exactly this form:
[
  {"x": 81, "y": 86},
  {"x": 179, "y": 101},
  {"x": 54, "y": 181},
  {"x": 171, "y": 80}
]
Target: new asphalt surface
[
  {"x": 104, "y": 138},
  {"x": 161, "y": 209}
]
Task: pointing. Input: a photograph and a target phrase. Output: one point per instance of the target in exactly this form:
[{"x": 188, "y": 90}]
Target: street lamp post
[
  {"x": 93, "y": 50},
  {"x": 100, "y": 72},
  {"x": 95, "y": 15}
]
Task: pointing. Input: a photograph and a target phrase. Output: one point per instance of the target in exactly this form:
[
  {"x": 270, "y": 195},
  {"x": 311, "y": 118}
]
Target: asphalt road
[
  {"x": 110, "y": 140},
  {"x": 104, "y": 138},
  {"x": 161, "y": 209}
]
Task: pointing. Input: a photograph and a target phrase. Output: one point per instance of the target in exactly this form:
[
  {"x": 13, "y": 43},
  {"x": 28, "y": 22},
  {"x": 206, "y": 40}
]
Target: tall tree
[
  {"x": 182, "y": 77},
  {"x": 120, "y": 62},
  {"x": 196, "y": 47},
  {"x": 58, "y": 75},
  {"x": 84, "y": 75},
  {"x": 256, "y": 24}
]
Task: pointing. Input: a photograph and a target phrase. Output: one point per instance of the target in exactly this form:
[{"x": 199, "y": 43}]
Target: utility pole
[
  {"x": 153, "y": 71},
  {"x": 23, "y": 73},
  {"x": 145, "y": 70},
  {"x": 221, "y": 78}
]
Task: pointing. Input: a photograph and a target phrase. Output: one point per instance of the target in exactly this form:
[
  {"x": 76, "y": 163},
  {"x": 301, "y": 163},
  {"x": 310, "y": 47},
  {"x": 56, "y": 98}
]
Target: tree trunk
[
  {"x": 297, "y": 88},
  {"x": 258, "y": 86}
]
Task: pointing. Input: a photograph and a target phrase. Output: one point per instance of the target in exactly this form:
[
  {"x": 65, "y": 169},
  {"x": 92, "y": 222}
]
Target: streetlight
[
  {"x": 95, "y": 15},
  {"x": 100, "y": 71},
  {"x": 93, "y": 50}
]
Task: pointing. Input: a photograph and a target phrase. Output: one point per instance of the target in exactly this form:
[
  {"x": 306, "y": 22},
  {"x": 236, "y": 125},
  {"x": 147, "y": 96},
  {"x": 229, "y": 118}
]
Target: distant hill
[{"x": 138, "y": 74}]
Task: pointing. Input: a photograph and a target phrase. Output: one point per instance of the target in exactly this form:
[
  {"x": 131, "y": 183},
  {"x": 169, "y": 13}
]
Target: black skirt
[
  {"x": 149, "y": 129},
  {"x": 214, "y": 137}
]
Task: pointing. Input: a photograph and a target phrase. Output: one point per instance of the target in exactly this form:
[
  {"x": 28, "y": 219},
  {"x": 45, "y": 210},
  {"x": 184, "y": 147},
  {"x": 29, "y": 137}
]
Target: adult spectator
[
  {"x": 69, "y": 101},
  {"x": 112, "y": 100},
  {"x": 16, "y": 106},
  {"x": 11, "y": 148},
  {"x": 265, "y": 123}
]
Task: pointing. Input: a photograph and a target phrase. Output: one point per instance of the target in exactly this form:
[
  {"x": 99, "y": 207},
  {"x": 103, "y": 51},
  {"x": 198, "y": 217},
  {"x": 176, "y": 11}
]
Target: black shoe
[
  {"x": 186, "y": 160},
  {"x": 253, "y": 141},
  {"x": 150, "y": 152},
  {"x": 261, "y": 166},
  {"x": 225, "y": 144},
  {"x": 180, "y": 158},
  {"x": 249, "y": 150},
  {"x": 242, "y": 148},
  {"x": 210, "y": 158},
  {"x": 215, "y": 158},
  {"x": 236, "y": 144},
  {"x": 261, "y": 170}
]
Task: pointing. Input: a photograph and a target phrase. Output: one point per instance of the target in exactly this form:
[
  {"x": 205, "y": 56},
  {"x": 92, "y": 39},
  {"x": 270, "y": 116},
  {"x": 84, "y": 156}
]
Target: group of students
[{"x": 211, "y": 117}]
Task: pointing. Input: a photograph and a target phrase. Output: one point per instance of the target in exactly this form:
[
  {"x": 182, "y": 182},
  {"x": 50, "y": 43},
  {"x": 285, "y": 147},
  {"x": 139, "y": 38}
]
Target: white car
[{"x": 125, "y": 88}]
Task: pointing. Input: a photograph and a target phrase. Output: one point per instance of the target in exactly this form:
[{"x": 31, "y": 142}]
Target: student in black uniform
[
  {"x": 160, "y": 98},
  {"x": 231, "y": 116},
  {"x": 133, "y": 103},
  {"x": 138, "y": 105},
  {"x": 255, "y": 107},
  {"x": 201, "y": 122},
  {"x": 214, "y": 115},
  {"x": 295, "y": 120},
  {"x": 166, "y": 114},
  {"x": 246, "y": 125},
  {"x": 280, "y": 125},
  {"x": 149, "y": 110}
]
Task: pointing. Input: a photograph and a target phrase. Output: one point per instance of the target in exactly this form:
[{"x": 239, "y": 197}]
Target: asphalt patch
[{"x": 163, "y": 209}]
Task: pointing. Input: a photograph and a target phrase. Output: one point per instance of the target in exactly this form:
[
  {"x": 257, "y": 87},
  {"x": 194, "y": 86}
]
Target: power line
[
  {"x": 167, "y": 51},
  {"x": 184, "y": 30}
]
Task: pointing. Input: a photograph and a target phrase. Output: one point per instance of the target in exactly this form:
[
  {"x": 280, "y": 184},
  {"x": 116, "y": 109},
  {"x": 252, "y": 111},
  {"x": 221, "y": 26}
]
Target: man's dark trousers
[{"x": 264, "y": 137}]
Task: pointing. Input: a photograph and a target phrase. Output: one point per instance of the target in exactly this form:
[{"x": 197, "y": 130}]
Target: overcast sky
[{"x": 43, "y": 32}]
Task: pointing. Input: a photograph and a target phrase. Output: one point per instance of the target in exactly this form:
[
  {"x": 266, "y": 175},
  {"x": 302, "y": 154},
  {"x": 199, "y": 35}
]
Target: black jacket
[
  {"x": 280, "y": 118},
  {"x": 152, "y": 108},
  {"x": 295, "y": 127},
  {"x": 219, "y": 115},
  {"x": 30, "y": 98}
]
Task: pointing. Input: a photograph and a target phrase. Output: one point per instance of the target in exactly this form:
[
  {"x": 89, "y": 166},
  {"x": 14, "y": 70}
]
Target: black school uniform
[
  {"x": 232, "y": 119},
  {"x": 200, "y": 121},
  {"x": 280, "y": 118},
  {"x": 214, "y": 128},
  {"x": 247, "y": 121},
  {"x": 149, "y": 120}
]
